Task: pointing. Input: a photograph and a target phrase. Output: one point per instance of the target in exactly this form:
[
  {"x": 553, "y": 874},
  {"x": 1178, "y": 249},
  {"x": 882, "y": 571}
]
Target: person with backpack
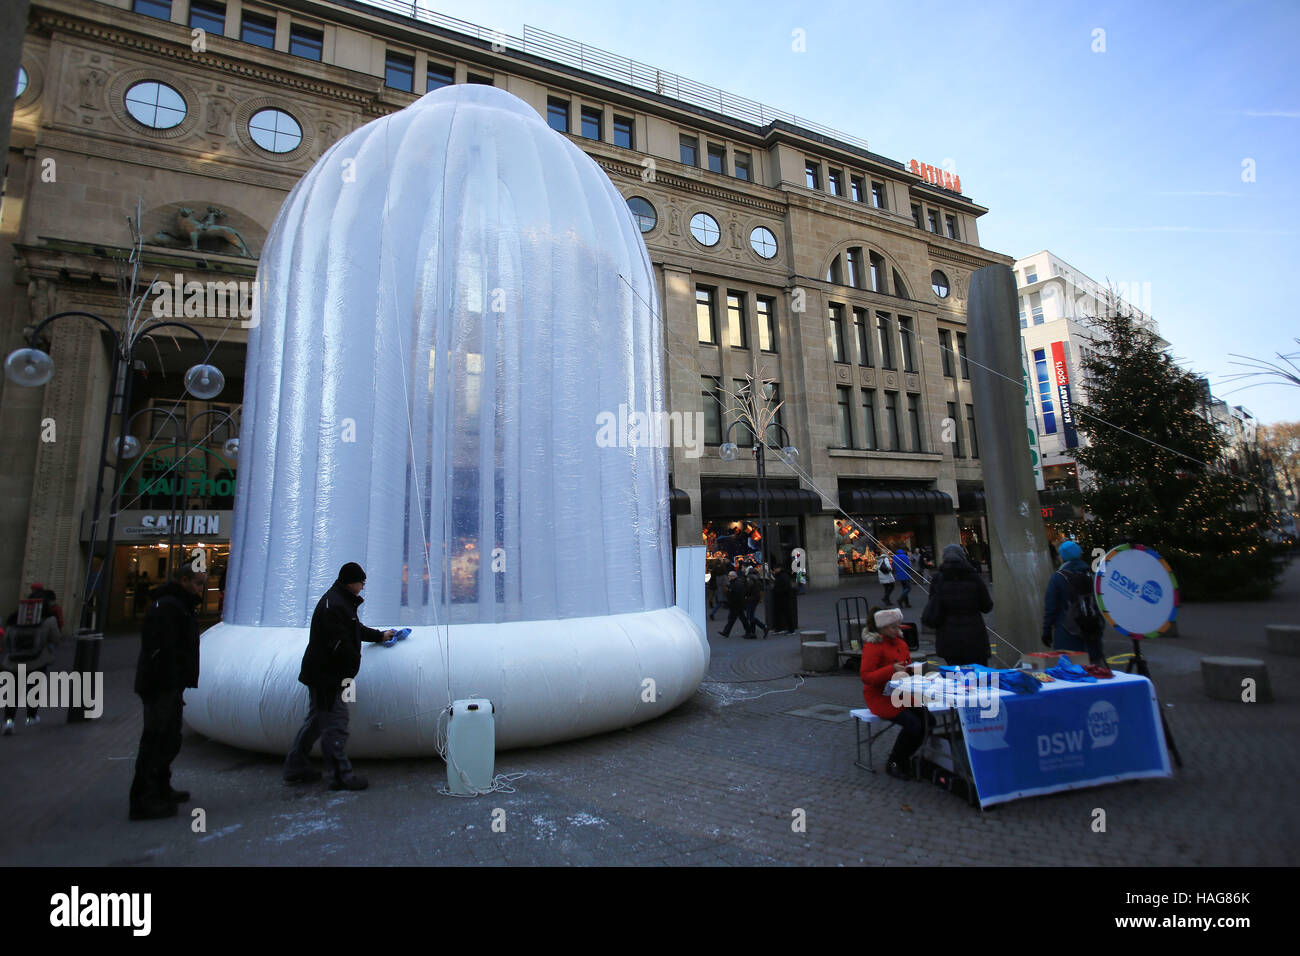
[
  {"x": 958, "y": 600},
  {"x": 168, "y": 663},
  {"x": 1072, "y": 621},
  {"x": 885, "y": 575},
  {"x": 903, "y": 571},
  {"x": 30, "y": 644}
]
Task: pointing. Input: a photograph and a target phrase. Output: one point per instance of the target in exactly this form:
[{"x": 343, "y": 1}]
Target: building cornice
[{"x": 367, "y": 96}]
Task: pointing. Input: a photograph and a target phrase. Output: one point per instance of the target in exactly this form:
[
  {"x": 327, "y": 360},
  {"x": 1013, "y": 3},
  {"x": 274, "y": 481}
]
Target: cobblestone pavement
[{"x": 716, "y": 782}]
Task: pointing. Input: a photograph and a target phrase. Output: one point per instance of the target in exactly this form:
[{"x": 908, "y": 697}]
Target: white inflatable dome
[{"x": 451, "y": 297}]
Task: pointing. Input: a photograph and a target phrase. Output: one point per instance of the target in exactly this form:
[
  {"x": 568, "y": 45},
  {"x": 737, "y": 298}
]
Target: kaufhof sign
[{"x": 193, "y": 524}]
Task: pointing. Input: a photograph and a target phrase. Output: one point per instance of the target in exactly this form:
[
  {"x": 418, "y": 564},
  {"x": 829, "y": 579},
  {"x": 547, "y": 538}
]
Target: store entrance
[{"x": 139, "y": 568}]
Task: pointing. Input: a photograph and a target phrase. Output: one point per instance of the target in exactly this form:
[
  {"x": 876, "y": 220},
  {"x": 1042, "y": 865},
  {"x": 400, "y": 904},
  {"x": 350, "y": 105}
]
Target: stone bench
[
  {"x": 806, "y": 636},
  {"x": 820, "y": 656},
  {"x": 1283, "y": 639},
  {"x": 1224, "y": 676}
]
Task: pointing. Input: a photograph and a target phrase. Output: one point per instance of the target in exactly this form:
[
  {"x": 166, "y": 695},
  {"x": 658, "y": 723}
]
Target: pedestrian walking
[
  {"x": 754, "y": 587},
  {"x": 785, "y": 597},
  {"x": 333, "y": 657},
  {"x": 30, "y": 643},
  {"x": 168, "y": 663},
  {"x": 1072, "y": 621},
  {"x": 735, "y": 598},
  {"x": 958, "y": 599},
  {"x": 885, "y": 575},
  {"x": 903, "y": 571}
]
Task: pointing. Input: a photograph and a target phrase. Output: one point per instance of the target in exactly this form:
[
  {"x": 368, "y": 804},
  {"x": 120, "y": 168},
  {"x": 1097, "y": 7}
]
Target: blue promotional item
[
  {"x": 1019, "y": 681},
  {"x": 398, "y": 636},
  {"x": 1072, "y": 672}
]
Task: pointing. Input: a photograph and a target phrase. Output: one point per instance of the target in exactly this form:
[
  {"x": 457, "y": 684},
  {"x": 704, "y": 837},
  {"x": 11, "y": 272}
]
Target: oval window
[
  {"x": 22, "y": 83},
  {"x": 939, "y": 283},
  {"x": 275, "y": 131},
  {"x": 763, "y": 242},
  {"x": 644, "y": 213},
  {"x": 155, "y": 105},
  {"x": 705, "y": 229}
]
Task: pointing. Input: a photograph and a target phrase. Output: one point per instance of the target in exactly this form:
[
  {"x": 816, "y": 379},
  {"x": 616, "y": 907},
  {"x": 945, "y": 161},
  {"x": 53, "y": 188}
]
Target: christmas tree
[{"x": 1157, "y": 467}]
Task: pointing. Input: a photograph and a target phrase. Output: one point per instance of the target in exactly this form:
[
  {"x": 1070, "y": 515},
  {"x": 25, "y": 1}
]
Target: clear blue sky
[{"x": 1126, "y": 163}]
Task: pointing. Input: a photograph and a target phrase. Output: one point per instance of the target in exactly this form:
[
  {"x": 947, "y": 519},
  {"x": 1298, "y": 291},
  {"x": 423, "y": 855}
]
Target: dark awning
[
  {"x": 971, "y": 500},
  {"x": 900, "y": 501},
  {"x": 744, "y": 501},
  {"x": 679, "y": 502}
]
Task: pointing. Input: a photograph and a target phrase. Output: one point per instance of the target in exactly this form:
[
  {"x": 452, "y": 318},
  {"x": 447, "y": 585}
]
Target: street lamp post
[
  {"x": 33, "y": 367},
  {"x": 759, "y": 421}
]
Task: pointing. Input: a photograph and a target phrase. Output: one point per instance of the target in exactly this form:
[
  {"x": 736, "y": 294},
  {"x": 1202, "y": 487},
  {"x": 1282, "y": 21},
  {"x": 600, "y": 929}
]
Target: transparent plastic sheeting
[{"x": 450, "y": 298}]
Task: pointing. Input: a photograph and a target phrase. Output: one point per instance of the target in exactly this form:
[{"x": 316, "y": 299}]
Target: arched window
[{"x": 900, "y": 287}]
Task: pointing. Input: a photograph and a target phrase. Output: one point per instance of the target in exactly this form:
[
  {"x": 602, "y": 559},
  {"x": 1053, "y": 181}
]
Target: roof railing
[{"x": 611, "y": 66}]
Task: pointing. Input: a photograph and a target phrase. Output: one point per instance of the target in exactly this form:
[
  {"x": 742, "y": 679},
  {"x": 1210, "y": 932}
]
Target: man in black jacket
[
  {"x": 333, "y": 656},
  {"x": 169, "y": 663}
]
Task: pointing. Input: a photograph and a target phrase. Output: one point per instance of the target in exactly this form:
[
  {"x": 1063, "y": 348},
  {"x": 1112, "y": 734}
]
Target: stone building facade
[{"x": 783, "y": 250}]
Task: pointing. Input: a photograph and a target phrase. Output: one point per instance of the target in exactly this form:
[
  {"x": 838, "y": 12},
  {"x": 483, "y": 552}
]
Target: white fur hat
[{"x": 888, "y": 616}]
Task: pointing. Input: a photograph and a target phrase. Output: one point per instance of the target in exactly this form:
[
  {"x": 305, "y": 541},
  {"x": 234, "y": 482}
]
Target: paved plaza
[{"x": 718, "y": 781}]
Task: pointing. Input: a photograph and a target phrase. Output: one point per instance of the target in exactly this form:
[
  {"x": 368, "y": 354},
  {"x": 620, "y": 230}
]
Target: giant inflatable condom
[{"x": 450, "y": 298}]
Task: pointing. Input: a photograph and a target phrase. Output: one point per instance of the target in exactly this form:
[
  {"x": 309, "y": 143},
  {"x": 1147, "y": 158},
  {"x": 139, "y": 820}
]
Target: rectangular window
[
  {"x": 711, "y": 395},
  {"x": 705, "y": 319},
  {"x": 856, "y": 186},
  {"x": 932, "y": 218},
  {"x": 439, "y": 75},
  {"x": 914, "y": 422},
  {"x": 774, "y": 434},
  {"x": 945, "y": 350},
  {"x": 736, "y": 334},
  {"x": 838, "y": 351},
  {"x": 950, "y": 223},
  {"x": 209, "y": 16},
  {"x": 306, "y": 42},
  {"x": 1031, "y": 274},
  {"x": 766, "y": 309},
  {"x": 835, "y": 182},
  {"x": 877, "y": 273},
  {"x": 812, "y": 175},
  {"x": 557, "y": 114},
  {"x": 158, "y": 9},
  {"x": 743, "y": 168},
  {"x": 844, "y": 414},
  {"x": 1036, "y": 304},
  {"x": 257, "y": 30},
  {"x": 970, "y": 430},
  {"x": 1044, "y": 377},
  {"x": 861, "y": 329},
  {"x": 717, "y": 158},
  {"x": 869, "y": 418},
  {"x": 744, "y": 434},
  {"x": 1024, "y": 323},
  {"x": 878, "y": 195},
  {"x": 1038, "y": 316},
  {"x": 961, "y": 354},
  {"x": 916, "y": 215},
  {"x": 909, "y": 356},
  {"x": 690, "y": 150},
  {"x": 955, "y": 425},
  {"x": 853, "y": 260},
  {"x": 885, "y": 326},
  {"x": 623, "y": 132},
  {"x": 891, "y": 420},
  {"x": 399, "y": 72},
  {"x": 593, "y": 118}
]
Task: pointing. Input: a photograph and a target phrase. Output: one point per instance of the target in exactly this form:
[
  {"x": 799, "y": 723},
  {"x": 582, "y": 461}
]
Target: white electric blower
[{"x": 471, "y": 746}]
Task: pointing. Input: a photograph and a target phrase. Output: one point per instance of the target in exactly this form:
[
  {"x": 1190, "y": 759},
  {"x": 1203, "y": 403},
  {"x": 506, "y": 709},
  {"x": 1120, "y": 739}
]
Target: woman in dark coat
[{"x": 958, "y": 599}]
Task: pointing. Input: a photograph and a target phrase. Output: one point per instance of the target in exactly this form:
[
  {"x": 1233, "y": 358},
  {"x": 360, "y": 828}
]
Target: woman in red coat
[{"x": 885, "y": 655}]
